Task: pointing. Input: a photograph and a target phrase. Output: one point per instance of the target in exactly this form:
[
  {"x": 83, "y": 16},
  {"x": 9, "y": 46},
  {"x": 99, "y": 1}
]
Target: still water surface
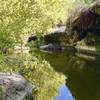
[
  {"x": 64, "y": 94},
  {"x": 82, "y": 72}
]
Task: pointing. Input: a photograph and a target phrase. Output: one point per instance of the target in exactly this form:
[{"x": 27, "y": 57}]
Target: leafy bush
[
  {"x": 18, "y": 17},
  {"x": 37, "y": 71}
]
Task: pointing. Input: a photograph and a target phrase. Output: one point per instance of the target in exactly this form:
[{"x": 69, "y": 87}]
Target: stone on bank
[{"x": 14, "y": 87}]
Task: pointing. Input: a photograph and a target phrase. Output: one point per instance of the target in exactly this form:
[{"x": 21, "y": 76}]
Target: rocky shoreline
[{"x": 50, "y": 48}]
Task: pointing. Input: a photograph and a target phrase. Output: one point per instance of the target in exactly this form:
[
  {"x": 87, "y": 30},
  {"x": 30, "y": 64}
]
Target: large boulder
[
  {"x": 84, "y": 21},
  {"x": 57, "y": 35},
  {"x": 14, "y": 87}
]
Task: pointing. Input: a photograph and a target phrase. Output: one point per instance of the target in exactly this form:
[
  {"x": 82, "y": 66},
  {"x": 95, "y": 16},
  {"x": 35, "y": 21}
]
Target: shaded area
[
  {"x": 84, "y": 21},
  {"x": 82, "y": 73}
]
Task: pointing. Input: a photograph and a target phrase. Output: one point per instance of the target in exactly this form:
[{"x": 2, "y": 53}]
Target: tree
[{"x": 26, "y": 16}]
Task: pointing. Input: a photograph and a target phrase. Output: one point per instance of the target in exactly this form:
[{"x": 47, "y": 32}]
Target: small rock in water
[{"x": 51, "y": 47}]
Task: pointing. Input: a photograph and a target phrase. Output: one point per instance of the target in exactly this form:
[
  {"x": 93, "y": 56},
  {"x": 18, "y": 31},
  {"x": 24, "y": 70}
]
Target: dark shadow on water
[{"x": 82, "y": 72}]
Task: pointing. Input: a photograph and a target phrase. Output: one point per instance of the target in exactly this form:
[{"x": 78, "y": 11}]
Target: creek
[{"x": 82, "y": 72}]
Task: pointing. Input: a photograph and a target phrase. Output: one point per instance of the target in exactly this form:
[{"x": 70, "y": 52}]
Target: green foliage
[
  {"x": 83, "y": 1},
  {"x": 97, "y": 46},
  {"x": 20, "y": 17},
  {"x": 26, "y": 16},
  {"x": 2, "y": 91},
  {"x": 36, "y": 44},
  {"x": 37, "y": 71}
]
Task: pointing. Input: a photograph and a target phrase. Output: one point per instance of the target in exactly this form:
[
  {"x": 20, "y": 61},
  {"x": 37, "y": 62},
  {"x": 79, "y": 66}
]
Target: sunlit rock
[
  {"x": 14, "y": 87},
  {"x": 60, "y": 29},
  {"x": 20, "y": 49},
  {"x": 51, "y": 47}
]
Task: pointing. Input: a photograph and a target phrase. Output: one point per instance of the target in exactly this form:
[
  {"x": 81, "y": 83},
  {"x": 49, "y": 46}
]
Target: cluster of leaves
[
  {"x": 80, "y": 3},
  {"x": 26, "y": 16},
  {"x": 37, "y": 71}
]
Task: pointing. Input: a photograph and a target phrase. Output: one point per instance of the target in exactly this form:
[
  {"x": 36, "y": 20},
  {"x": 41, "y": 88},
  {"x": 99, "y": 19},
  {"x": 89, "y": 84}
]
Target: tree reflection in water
[{"x": 82, "y": 73}]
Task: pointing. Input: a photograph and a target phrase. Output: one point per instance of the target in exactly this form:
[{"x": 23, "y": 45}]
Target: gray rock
[
  {"x": 50, "y": 47},
  {"x": 58, "y": 30},
  {"x": 14, "y": 87}
]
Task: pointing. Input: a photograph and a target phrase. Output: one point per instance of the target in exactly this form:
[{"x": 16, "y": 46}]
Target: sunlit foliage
[
  {"x": 20, "y": 17},
  {"x": 36, "y": 71},
  {"x": 26, "y": 16}
]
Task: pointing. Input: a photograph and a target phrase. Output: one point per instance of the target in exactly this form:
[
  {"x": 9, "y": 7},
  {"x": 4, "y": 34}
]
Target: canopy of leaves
[{"x": 26, "y": 16}]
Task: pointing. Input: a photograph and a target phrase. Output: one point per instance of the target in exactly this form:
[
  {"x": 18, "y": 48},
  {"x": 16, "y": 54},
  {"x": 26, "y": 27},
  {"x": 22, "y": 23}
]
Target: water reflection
[
  {"x": 64, "y": 94},
  {"x": 83, "y": 73}
]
